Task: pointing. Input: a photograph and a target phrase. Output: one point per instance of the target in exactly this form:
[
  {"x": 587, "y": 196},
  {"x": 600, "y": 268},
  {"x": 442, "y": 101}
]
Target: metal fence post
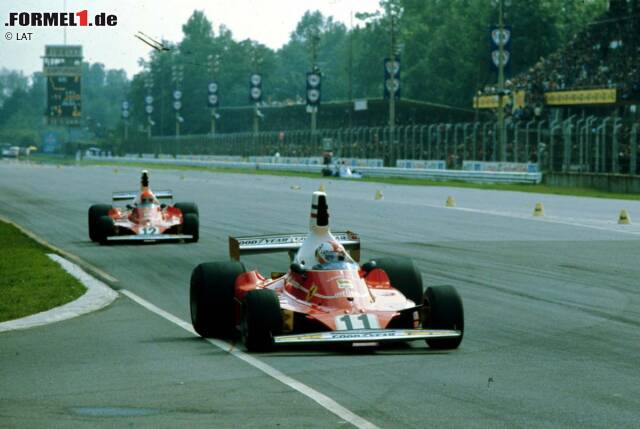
[
  {"x": 588, "y": 149},
  {"x": 405, "y": 144},
  {"x": 615, "y": 146},
  {"x": 456, "y": 141},
  {"x": 466, "y": 152},
  {"x": 430, "y": 141},
  {"x": 633, "y": 150},
  {"x": 603, "y": 144},
  {"x": 516, "y": 140},
  {"x": 494, "y": 149},
  {"x": 484, "y": 140},
  {"x": 421, "y": 152},
  {"x": 567, "y": 128},
  {"x": 580, "y": 135},
  {"x": 474, "y": 141},
  {"x": 551, "y": 151},
  {"x": 597, "y": 151},
  {"x": 527, "y": 141}
]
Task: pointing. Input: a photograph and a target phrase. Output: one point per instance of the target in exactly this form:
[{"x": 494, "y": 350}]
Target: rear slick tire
[
  {"x": 211, "y": 298},
  {"x": 403, "y": 276}
]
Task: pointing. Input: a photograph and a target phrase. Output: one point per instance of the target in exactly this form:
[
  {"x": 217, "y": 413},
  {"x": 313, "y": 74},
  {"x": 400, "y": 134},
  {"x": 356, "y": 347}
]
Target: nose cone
[{"x": 319, "y": 212}]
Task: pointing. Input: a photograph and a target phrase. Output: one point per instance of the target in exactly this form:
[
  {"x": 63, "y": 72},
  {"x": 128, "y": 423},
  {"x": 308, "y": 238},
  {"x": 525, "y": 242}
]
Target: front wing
[
  {"x": 149, "y": 237},
  {"x": 366, "y": 335}
]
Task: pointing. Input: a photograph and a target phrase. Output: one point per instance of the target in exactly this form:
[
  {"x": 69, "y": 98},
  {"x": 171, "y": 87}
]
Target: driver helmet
[
  {"x": 330, "y": 251},
  {"x": 147, "y": 199}
]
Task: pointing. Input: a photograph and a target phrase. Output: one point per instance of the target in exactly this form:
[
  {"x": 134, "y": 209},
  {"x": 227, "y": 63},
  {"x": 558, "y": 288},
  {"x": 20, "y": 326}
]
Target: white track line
[
  {"x": 534, "y": 219},
  {"x": 307, "y": 391}
]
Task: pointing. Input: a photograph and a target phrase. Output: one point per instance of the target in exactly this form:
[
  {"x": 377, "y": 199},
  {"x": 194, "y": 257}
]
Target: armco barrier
[{"x": 466, "y": 176}]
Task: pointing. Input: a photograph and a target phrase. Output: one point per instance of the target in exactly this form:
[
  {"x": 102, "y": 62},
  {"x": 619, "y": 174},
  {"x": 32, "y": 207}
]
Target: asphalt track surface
[{"x": 552, "y": 311}]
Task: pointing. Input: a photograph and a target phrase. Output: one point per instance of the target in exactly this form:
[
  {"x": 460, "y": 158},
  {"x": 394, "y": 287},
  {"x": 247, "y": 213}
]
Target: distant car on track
[
  {"x": 144, "y": 218},
  {"x": 10, "y": 151},
  {"x": 325, "y": 297}
]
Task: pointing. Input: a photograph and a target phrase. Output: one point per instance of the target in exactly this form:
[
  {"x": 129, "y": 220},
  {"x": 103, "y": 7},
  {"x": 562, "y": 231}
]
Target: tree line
[{"x": 443, "y": 46}]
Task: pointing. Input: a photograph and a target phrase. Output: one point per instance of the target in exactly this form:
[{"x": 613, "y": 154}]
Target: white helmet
[{"x": 330, "y": 251}]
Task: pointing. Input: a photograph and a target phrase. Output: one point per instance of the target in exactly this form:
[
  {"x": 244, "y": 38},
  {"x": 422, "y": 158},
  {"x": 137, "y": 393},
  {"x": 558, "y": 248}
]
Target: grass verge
[
  {"x": 515, "y": 187},
  {"x": 30, "y": 282}
]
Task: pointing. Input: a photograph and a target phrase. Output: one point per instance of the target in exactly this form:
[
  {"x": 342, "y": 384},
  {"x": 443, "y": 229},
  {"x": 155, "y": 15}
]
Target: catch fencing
[{"x": 574, "y": 144}]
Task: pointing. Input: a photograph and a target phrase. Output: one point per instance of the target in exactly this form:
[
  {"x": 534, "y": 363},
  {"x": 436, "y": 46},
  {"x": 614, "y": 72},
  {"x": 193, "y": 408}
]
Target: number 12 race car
[
  {"x": 325, "y": 297},
  {"x": 143, "y": 218}
]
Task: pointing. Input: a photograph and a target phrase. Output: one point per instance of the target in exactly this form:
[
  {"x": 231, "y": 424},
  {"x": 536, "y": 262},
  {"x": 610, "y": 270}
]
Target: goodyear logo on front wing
[
  {"x": 592, "y": 96},
  {"x": 349, "y": 336}
]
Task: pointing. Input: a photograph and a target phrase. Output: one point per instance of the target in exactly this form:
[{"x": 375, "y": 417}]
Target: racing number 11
[{"x": 352, "y": 321}]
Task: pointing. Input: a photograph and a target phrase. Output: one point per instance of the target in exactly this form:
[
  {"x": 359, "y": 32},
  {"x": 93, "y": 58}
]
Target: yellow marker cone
[
  {"x": 322, "y": 188},
  {"x": 295, "y": 187},
  {"x": 115, "y": 170},
  {"x": 182, "y": 177},
  {"x": 451, "y": 202},
  {"x": 538, "y": 211},
  {"x": 624, "y": 218},
  {"x": 379, "y": 195}
]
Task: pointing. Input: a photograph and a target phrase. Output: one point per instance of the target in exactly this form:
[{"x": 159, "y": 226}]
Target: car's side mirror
[
  {"x": 163, "y": 206},
  {"x": 129, "y": 206},
  {"x": 297, "y": 268}
]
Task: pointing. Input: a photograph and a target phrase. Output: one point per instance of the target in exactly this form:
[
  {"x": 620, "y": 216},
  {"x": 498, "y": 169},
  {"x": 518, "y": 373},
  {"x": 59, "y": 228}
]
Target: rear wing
[
  {"x": 249, "y": 245},
  {"x": 132, "y": 195}
]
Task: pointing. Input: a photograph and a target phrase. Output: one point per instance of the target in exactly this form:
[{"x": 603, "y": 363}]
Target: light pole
[
  {"x": 214, "y": 65},
  {"x": 314, "y": 39},
  {"x": 502, "y": 61},
  {"x": 392, "y": 65},
  {"x": 125, "y": 119},
  {"x": 392, "y": 56},
  {"x": 148, "y": 100},
  {"x": 177, "y": 75},
  {"x": 255, "y": 89}
]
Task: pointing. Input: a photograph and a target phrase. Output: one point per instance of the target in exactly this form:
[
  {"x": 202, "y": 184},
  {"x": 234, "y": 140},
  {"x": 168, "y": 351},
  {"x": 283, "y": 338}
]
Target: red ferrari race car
[
  {"x": 325, "y": 297},
  {"x": 143, "y": 217}
]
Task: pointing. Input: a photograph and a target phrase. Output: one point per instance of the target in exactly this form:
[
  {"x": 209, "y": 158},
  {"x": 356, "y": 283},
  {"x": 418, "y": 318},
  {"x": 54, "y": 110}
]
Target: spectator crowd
[{"x": 606, "y": 54}]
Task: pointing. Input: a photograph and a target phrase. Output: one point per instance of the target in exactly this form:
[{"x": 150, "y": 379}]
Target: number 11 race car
[
  {"x": 325, "y": 297},
  {"x": 144, "y": 218}
]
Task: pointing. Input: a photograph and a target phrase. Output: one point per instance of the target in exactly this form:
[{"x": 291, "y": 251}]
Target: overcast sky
[{"x": 267, "y": 21}]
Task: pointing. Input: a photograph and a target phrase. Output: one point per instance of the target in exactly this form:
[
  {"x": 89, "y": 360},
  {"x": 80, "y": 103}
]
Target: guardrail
[{"x": 390, "y": 172}]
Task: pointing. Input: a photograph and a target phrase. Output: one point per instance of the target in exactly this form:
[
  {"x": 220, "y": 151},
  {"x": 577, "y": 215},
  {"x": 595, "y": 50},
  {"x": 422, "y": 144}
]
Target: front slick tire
[
  {"x": 261, "y": 319},
  {"x": 96, "y": 211},
  {"x": 106, "y": 228},
  {"x": 211, "y": 298},
  {"x": 191, "y": 227},
  {"x": 443, "y": 310}
]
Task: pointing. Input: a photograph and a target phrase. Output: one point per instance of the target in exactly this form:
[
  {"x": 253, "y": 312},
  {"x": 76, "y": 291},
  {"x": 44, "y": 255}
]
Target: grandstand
[{"x": 604, "y": 57}]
